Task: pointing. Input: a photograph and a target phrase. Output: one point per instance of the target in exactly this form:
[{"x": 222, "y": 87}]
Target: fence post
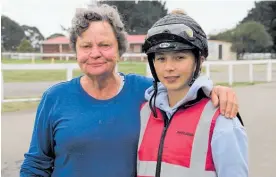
[
  {"x": 69, "y": 74},
  {"x": 33, "y": 59},
  {"x": 269, "y": 71},
  {"x": 207, "y": 67},
  {"x": 230, "y": 74},
  {"x": 2, "y": 87},
  {"x": 251, "y": 80},
  {"x": 148, "y": 72}
]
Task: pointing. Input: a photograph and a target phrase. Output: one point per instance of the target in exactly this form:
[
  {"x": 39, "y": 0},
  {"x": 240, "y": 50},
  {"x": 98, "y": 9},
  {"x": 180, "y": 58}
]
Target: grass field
[
  {"x": 18, "y": 106},
  {"x": 58, "y": 75},
  {"x": 37, "y": 61}
]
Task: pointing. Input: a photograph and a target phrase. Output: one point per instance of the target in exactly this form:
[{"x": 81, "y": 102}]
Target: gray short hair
[{"x": 102, "y": 12}]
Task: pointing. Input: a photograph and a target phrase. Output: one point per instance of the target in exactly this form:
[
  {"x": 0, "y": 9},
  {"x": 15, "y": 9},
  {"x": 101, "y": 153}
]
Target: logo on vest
[{"x": 184, "y": 133}]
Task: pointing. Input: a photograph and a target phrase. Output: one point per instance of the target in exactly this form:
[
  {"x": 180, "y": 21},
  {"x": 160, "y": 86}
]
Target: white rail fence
[
  {"x": 70, "y": 67},
  {"x": 61, "y": 56}
]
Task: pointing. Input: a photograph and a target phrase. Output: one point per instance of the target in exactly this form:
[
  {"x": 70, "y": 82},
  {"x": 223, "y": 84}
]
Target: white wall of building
[{"x": 226, "y": 53}]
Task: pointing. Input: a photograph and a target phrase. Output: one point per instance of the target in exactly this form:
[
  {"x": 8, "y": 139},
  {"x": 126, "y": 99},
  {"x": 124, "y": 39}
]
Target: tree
[
  {"x": 33, "y": 35},
  {"x": 25, "y": 46},
  {"x": 139, "y": 16},
  {"x": 252, "y": 37},
  {"x": 223, "y": 36},
  {"x": 12, "y": 33},
  {"x": 264, "y": 12}
]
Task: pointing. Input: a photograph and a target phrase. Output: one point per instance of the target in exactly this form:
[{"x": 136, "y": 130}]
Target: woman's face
[
  {"x": 174, "y": 69},
  {"x": 97, "y": 49}
]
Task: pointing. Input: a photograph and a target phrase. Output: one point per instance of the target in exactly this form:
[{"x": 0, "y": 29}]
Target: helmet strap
[{"x": 197, "y": 71}]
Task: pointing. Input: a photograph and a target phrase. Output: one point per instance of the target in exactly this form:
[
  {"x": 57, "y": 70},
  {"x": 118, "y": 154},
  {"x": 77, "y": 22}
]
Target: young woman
[{"x": 182, "y": 133}]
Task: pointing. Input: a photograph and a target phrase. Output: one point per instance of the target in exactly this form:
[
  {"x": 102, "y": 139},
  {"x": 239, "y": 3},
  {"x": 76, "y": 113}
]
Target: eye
[
  {"x": 85, "y": 46},
  {"x": 180, "y": 57},
  {"x": 105, "y": 46},
  {"x": 161, "y": 59}
]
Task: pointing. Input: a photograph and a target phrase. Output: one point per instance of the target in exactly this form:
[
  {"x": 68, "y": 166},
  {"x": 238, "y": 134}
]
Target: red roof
[
  {"x": 132, "y": 39},
  {"x": 57, "y": 40},
  {"x": 136, "y": 39}
]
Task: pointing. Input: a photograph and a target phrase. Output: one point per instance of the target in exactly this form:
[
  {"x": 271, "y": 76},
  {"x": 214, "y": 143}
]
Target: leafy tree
[
  {"x": 264, "y": 12},
  {"x": 25, "y": 46},
  {"x": 139, "y": 16},
  {"x": 12, "y": 33},
  {"x": 223, "y": 36},
  {"x": 251, "y": 37},
  {"x": 33, "y": 35}
]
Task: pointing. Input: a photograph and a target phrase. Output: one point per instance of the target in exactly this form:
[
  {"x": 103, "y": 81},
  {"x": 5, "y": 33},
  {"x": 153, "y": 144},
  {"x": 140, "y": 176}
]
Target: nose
[
  {"x": 95, "y": 53},
  {"x": 169, "y": 65}
]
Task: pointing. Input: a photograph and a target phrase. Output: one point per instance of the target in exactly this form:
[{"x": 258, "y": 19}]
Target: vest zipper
[
  {"x": 161, "y": 145},
  {"x": 200, "y": 96}
]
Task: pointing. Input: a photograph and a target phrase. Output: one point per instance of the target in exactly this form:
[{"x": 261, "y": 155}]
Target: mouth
[
  {"x": 96, "y": 64},
  {"x": 171, "y": 78}
]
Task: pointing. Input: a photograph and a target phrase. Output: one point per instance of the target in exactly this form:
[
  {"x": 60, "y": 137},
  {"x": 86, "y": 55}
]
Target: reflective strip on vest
[
  {"x": 169, "y": 170},
  {"x": 145, "y": 113},
  {"x": 199, "y": 149}
]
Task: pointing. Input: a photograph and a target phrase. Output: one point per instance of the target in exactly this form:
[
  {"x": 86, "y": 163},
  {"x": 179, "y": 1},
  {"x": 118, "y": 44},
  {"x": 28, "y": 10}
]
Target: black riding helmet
[{"x": 175, "y": 32}]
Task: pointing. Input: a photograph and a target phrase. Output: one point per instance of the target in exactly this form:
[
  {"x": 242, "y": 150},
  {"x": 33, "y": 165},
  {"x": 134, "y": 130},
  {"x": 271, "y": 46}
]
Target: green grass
[
  {"x": 18, "y": 106},
  {"x": 37, "y": 61},
  {"x": 133, "y": 67},
  {"x": 239, "y": 84},
  {"x": 36, "y": 75},
  {"x": 58, "y": 75}
]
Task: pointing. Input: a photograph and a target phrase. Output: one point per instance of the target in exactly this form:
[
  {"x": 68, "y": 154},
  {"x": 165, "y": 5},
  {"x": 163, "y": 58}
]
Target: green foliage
[
  {"x": 224, "y": 36},
  {"x": 250, "y": 37},
  {"x": 139, "y": 16},
  {"x": 264, "y": 12},
  {"x": 12, "y": 34},
  {"x": 25, "y": 46}
]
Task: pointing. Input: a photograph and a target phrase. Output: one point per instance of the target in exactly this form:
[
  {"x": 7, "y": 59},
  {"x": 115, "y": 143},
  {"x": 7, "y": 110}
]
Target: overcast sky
[{"x": 48, "y": 15}]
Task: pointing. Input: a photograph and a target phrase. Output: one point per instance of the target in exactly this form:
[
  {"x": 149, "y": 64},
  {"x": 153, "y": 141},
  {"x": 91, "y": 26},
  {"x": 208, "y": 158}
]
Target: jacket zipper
[
  {"x": 161, "y": 144},
  {"x": 164, "y": 132}
]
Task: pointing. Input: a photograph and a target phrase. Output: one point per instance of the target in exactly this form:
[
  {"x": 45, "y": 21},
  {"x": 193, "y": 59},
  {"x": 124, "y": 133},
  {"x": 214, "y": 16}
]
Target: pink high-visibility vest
[{"x": 186, "y": 150}]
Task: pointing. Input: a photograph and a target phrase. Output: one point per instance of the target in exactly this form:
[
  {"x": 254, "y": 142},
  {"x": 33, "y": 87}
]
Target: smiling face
[
  {"x": 97, "y": 49},
  {"x": 175, "y": 69}
]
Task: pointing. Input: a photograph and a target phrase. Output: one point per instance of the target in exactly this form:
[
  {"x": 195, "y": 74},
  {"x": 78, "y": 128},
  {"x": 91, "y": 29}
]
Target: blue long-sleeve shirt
[{"x": 76, "y": 135}]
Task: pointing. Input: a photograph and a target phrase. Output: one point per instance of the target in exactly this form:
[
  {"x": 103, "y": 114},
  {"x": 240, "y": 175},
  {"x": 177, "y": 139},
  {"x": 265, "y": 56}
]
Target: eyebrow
[
  {"x": 174, "y": 52},
  {"x": 90, "y": 43}
]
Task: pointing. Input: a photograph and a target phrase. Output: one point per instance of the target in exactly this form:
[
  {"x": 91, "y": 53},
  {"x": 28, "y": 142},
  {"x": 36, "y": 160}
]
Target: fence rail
[
  {"x": 70, "y": 67},
  {"x": 61, "y": 56}
]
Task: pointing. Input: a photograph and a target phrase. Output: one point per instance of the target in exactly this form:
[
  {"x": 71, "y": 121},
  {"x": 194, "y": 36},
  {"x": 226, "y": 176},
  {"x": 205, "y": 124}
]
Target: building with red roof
[
  {"x": 218, "y": 50},
  {"x": 61, "y": 44}
]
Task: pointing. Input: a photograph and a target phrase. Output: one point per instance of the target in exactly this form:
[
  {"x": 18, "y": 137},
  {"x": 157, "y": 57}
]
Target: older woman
[{"x": 89, "y": 126}]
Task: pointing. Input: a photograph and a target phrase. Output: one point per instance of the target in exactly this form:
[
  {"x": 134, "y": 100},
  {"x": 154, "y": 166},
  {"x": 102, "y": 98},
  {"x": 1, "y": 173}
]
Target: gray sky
[{"x": 48, "y": 15}]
